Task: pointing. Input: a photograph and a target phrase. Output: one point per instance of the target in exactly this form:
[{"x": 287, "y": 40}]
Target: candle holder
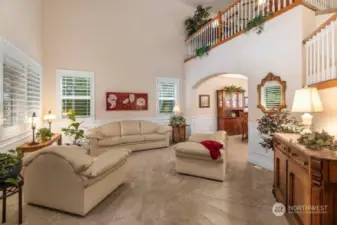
[
  {"x": 49, "y": 118},
  {"x": 33, "y": 129}
]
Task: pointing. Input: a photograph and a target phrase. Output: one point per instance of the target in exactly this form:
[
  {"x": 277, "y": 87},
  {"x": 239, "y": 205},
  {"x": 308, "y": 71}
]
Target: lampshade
[
  {"x": 307, "y": 100},
  {"x": 49, "y": 117},
  {"x": 176, "y": 109}
]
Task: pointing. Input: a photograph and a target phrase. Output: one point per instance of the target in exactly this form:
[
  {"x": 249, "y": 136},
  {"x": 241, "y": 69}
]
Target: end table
[
  {"x": 9, "y": 190},
  {"x": 179, "y": 133}
]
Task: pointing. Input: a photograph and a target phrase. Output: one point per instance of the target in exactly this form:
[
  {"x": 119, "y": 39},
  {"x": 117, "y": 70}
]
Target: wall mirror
[{"x": 271, "y": 94}]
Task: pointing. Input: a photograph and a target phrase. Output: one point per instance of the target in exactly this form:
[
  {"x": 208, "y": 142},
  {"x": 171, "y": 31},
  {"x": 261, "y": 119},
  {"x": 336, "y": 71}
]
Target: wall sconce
[
  {"x": 33, "y": 121},
  {"x": 49, "y": 118}
]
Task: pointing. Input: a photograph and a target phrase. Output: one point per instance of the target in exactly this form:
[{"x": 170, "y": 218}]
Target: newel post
[{"x": 220, "y": 26}]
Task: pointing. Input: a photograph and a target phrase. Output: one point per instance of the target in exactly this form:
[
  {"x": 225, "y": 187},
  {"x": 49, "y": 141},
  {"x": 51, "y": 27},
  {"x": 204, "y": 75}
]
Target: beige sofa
[
  {"x": 193, "y": 158},
  {"x": 132, "y": 134},
  {"x": 68, "y": 179}
]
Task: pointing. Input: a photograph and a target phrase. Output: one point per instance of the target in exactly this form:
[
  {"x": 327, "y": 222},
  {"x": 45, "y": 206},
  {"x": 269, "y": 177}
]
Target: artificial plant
[
  {"x": 317, "y": 141},
  {"x": 233, "y": 88},
  {"x": 43, "y": 134},
  {"x": 257, "y": 23},
  {"x": 177, "y": 121},
  {"x": 72, "y": 131},
  {"x": 281, "y": 122},
  {"x": 201, "y": 17},
  {"x": 10, "y": 166},
  {"x": 204, "y": 50}
]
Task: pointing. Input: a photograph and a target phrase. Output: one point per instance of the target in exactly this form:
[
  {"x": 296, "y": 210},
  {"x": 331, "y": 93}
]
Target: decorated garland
[
  {"x": 317, "y": 141},
  {"x": 233, "y": 88}
]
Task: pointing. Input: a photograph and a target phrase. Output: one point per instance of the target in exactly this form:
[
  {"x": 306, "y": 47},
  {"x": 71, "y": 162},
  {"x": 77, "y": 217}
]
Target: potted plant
[
  {"x": 43, "y": 134},
  {"x": 72, "y": 131},
  {"x": 10, "y": 166},
  {"x": 177, "y": 121},
  {"x": 277, "y": 122},
  {"x": 201, "y": 17}
]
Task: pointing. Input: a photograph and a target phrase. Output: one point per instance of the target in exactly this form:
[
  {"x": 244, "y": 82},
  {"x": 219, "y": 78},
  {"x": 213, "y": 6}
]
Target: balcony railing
[{"x": 233, "y": 21}]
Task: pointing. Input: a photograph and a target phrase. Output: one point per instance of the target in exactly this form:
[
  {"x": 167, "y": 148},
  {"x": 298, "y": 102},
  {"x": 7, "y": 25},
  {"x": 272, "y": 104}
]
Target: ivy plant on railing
[
  {"x": 257, "y": 23},
  {"x": 201, "y": 17},
  {"x": 204, "y": 50}
]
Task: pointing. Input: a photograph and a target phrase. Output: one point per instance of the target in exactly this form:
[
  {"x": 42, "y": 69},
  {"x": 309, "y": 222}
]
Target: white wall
[
  {"x": 278, "y": 50},
  {"x": 127, "y": 44}
]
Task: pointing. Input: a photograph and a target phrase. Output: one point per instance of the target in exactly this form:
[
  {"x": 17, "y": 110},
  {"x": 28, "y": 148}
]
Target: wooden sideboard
[{"x": 305, "y": 181}]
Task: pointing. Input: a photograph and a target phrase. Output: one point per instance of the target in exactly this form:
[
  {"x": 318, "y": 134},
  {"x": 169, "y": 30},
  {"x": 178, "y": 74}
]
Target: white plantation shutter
[
  {"x": 167, "y": 95},
  {"x": 33, "y": 92},
  {"x": 76, "y": 92},
  {"x": 273, "y": 97}
]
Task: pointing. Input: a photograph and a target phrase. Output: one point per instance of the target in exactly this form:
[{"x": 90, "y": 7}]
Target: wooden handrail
[
  {"x": 231, "y": 6},
  {"x": 209, "y": 22},
  {"x": 332, "y": 18}
]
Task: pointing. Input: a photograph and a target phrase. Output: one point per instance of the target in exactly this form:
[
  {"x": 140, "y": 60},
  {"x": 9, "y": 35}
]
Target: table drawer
[{"x": 299, "y": 157}]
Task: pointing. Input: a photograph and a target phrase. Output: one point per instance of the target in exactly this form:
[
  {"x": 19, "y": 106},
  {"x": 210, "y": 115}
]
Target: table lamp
[
  {"x": 33, "y": 120},
  {"x": 49, "y": 118},
  {"x": 307, "y": 101},
  {"x": 176, "y": 110}
]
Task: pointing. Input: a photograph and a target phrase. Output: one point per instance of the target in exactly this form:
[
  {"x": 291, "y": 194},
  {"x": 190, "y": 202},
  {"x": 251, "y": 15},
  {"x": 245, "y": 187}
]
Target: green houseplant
[
  {"x": 10, "y": 166},
  {"x": 233, "y": 88},
  {"x": 257, "y": 23},
  {"x": 177, "y": 121},
  {"x": 201, "y": 17},
  {"x": 204, "y": 50},
  {"x": 43, "y": 134},
  {"x": 277, "y": 122},
  {"x": 72, "y": 131}
]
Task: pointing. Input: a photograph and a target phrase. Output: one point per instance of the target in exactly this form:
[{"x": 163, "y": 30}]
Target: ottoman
[{"x": 193, "y": 158}]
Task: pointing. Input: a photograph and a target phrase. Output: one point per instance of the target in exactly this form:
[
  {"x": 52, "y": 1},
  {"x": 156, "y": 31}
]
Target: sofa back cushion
[
  {"x": 147, "y": 127},
  {"x": 130, "y": 127},
  {"x": 111, "y": 129}
]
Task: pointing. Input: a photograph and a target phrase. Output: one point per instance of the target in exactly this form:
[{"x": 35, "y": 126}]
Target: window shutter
[
  {"x": 76, "y": 94},
  {"x": 14, "y": 93},
  {"x": 273, "y": 97},
  {"x": 167, "y": 92},
  {"x": 33, "y": 91}
]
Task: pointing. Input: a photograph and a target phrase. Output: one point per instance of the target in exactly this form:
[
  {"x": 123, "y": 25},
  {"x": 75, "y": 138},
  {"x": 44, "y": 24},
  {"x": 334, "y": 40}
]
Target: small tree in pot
[
  {"x": 10, "y": 166},
  {"x": 72, "y": 131},
  {"x": 177, "y": 121}
]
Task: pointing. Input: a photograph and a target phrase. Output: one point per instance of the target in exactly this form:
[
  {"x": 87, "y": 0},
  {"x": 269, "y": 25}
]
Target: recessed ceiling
[{"x": 216, "y": 4}]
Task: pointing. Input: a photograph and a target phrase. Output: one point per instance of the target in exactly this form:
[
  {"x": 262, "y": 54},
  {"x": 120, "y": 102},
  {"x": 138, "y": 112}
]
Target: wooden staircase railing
[{"x": 233, "y": 21}]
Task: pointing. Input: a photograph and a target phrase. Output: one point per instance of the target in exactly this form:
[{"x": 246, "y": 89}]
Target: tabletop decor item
[
  {"x": 307, "y": 100},
  {"x": 317, "y": 140},
  {"x": 177, "y": 121},
  {"x": 72, "y": 131},
  {"x": 10, "y": 166},
  {"x": 117, "y": 101},
  {"x": 49, "y": 118},
  {"x": 279, "y": 122},
  {"x": 43, "y": 134}
]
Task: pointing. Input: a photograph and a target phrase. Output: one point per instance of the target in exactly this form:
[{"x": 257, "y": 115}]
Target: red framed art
[{"x": 118, "y": 101}]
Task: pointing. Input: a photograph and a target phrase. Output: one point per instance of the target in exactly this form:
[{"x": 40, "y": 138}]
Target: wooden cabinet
[
  {"x": 229, "y": 106},
  {"x": 305, "y": 181}
]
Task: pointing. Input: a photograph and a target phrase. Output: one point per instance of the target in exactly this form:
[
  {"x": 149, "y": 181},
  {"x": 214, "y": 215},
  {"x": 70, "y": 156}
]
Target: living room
[{"x": 126, "y": 75}]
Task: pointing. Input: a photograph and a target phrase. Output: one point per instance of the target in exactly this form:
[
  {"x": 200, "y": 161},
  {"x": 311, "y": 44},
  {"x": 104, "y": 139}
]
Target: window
[
  {"x": 20, "y": 90},
  {"x": 76, "y": 92},
  {"x": 167, "y": 95}
]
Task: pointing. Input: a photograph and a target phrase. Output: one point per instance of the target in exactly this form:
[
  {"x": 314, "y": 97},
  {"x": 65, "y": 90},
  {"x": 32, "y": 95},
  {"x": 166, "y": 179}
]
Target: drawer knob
[
  {"x": 293, "y": 154},
  {"x": 304, "y": 164}
]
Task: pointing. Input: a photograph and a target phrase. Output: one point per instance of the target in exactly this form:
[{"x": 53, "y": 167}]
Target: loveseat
[
  {"x": 70, "y": 180},
  {"x": 135, "y": 135}
]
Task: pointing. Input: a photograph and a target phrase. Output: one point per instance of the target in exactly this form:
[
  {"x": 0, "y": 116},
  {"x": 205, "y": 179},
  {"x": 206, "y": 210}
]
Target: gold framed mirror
[{"x": 272, "y": 94}]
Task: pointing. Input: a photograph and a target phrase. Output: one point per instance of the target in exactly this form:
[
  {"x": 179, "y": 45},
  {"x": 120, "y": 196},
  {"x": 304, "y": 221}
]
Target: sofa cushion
[
  {"x": 154, "y": 137},
  {"x": 130, "y": 127},
  {"x": 74, "y": 155},
  {"x": 111, "y": 129},
  {"x": 147, "y": 127},
  {"x": 133, "y": 138},
  {"x": 111, "y": 159},
  {"x": 163, "y": 129},
  {"x": 110, "y": 141}
]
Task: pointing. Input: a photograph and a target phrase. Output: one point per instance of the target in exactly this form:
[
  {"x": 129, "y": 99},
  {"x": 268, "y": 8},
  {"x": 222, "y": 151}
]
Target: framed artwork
[
  {"x": 246, "y": 102},
  {"x": 119, "y": 101},
  {"x": 204, "y": 101}
]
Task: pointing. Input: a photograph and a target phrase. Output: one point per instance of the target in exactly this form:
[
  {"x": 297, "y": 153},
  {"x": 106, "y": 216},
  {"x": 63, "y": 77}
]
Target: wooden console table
[
  {"x": 32, "y": 148},
  {"x": 305, "y": 182}
]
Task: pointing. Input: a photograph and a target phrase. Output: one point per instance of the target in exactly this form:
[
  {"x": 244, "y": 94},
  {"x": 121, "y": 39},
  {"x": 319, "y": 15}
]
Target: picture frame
[
  {"x": 126, "y": 101},
  {"x": 204, "y": 101}
]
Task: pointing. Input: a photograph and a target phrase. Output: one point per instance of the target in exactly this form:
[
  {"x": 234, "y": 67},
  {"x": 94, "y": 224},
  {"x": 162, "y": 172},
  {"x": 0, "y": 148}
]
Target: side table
[
  {"x": 179, "y": 133},
  {"x": 9, "y": 190},
  {"x": 32, "y": 148}
]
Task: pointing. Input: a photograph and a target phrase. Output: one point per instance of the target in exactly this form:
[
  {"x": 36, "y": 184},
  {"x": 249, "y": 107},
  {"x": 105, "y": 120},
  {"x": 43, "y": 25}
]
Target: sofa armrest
[
  {"x": 163, "y": 130},
  {"x": 106, "y": 161},
  {"x": 94, "y": 135}
]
